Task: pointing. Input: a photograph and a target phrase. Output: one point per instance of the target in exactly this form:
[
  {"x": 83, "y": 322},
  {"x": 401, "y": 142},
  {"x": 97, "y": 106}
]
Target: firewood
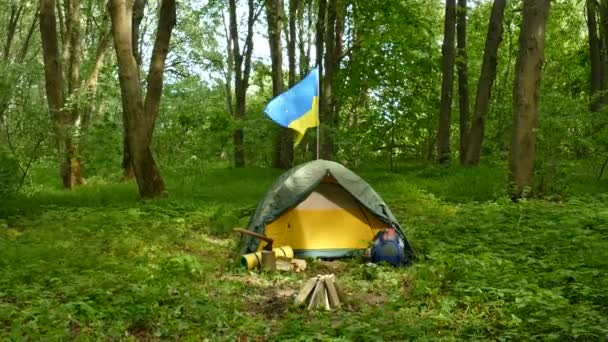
[
  {"x": 318, "y": 296},
  {"x": 339, "y": 290},
  {"x": 332, "y": 294},
  {"x": 321, "y": 291},
  {"x": 306, "y": 291},
  {"x": 269, "y": 261}
]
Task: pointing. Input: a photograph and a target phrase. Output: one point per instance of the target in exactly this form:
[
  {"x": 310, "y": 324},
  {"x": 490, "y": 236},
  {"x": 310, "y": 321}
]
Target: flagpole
[{"x": 318, "y": 109}]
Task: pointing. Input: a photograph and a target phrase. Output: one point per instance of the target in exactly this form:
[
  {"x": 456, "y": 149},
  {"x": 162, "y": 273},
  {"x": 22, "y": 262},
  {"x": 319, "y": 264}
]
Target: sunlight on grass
[{"x": 98, "y": 263}]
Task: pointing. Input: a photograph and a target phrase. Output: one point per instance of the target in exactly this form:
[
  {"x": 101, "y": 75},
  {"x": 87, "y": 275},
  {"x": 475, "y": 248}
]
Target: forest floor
[{"x": 97, "y": 264}]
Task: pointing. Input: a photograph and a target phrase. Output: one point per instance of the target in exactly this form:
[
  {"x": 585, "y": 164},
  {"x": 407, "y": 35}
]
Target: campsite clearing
[{"x": 96, "y": 263}]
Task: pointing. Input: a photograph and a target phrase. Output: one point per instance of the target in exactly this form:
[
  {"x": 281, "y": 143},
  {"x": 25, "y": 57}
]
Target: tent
[{"x": 321, "y": 209}]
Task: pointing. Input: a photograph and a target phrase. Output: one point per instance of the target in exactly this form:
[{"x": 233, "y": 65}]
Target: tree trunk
[
  {"x": 303, "y": 38},
  {"x": 242, "y": 69},
  {"x": 63, "y": 119},
  {"x": 526, "y": 95},
  {"x": 11, "y": 27},
  {"x": 91, "y": 84},
  {"x": 319, "y": 47},
  {"x": 137, "y": 14},
  {"x": 28, "y": 38},
  {"x": 141, "y": 114},
  {"x": 463, "y": 76},
  {"x": 283, "y": 147},
  {"x": 486, "y": 82},
  {"x": 602, "y": 10},
  {"x": 447, "y": 50},
  {"x": 291, "y": 47},
  {"x": 595, "y": 54},
  {"x": 327, "y": 104}
]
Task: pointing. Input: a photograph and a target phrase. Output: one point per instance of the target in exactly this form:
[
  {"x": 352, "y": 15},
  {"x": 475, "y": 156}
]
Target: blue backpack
[{"x": 388, "y": 246}]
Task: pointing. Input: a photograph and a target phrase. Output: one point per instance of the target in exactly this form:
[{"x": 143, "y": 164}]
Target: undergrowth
[{"x": 97, "y": 263}]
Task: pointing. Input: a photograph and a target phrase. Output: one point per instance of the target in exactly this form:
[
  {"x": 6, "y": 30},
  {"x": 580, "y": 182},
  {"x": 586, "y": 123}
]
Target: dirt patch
[
  {"x": 327, "y": 267},
  {"x": 275, "y": 303},
  {"x": 356, "y": 302},
  {"x": 141, "y": 332},
  {"x": 408, "y": 286},
  {"x": 74, "y": 329}
]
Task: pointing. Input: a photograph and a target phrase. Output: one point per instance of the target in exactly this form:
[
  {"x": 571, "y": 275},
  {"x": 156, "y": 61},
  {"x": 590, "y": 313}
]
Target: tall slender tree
[
  {"x": 598, "y": 68},
  {"x": 319, "y": 48},
  {"x": 485, "y": 83},
  {"x": 283, "y": 148},
  {"x": 242, "y": 70},
  {"x": 526, "y": 95},
  {"x": 64, "y": 119},
  {"x": 445, "y": 111},
  {"x": 140, "y": 112},
  {"x": 139, "y": 8},
  {"x": 463, "y": 75}
]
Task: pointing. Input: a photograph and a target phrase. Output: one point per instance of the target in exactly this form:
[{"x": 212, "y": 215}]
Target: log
[
  {"x": 269, "y": 261},
  {"x": 318, "y": 296},
  {"x": 339, "y": 290},
  {"x": 306, "y": 291},
  {"x": 321, "y": 291},
  {"x": 332, "y": 293}
]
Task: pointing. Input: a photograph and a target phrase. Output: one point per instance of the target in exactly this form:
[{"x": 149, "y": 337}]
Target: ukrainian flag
[{"x": 298, "y": 107}]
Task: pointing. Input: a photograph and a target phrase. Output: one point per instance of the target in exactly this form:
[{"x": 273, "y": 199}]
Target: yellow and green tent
[{"x": 321, "y": 209}]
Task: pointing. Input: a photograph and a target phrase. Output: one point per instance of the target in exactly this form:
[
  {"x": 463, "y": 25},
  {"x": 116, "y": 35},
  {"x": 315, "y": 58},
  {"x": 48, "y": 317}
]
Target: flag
[{"x": 298, "y": 107}]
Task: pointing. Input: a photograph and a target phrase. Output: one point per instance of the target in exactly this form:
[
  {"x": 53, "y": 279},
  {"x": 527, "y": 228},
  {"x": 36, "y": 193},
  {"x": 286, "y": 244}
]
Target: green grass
[{"x": 97, "y": 264}]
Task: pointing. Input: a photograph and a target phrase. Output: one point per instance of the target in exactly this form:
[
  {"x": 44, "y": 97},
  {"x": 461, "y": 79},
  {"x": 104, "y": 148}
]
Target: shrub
[{"x": 10, "y": 175}]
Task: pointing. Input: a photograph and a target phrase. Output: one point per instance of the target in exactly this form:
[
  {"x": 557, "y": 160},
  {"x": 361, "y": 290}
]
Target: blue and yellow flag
[{"x": 298, "y": 107}]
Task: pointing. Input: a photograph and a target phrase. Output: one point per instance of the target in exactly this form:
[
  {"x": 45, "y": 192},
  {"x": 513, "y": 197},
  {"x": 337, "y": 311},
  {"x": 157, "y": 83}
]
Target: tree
[
  {"x": 598, "y": 67},
  {"x": 242, "y": 70},
  {"x": 463, "y": 75},
  {"x": 526, "y": 95},
  {"x": 485, "y": 83},
  {"x": 445, "y": 111},
  {"x": 139, "y": 7},
  {"x": 334, "y": 29},
  {"x": 64, "y": 118},
  {"x": 140, "y": 113},
  {"x": 283, "y": 148},
  {"x": 304, "y": 34}
]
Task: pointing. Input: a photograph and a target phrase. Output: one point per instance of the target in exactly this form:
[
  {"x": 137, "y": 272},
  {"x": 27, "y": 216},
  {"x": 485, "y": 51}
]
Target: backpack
[{"x": 388, "y": 246}]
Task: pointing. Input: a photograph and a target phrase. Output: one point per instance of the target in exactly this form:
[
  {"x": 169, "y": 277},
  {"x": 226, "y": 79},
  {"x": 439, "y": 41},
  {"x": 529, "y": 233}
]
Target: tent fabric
[
  {"x": 328, "y": 221},
  {"x": 309, "y": 186}
]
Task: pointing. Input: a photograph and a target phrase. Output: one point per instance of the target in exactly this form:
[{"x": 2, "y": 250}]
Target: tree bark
[
  {"x": 486, "y": 82},
  {"x": 141, "y": 114},
  {"x": 319, "y": 48},
  {"x": 139, "y": 7},
  {"x": 303, "y": 39},
  {"x": 595, "y": 54},
  {"x": 63, "y": 120},
  {"x": 242, "y": 69},
  {"x": 326, "y": 106},
  {"x": 28, "y": 38},
  {"x": 526, "y": 95},
  {"x": 283, "y": 147},
  {"x": 463, "y": 76},
  {"x": 11, "y": 28},
  {"x": 291, "y": 47},
  {"x": 91, "y": 84},
  {"x": 445, "y": 111}
]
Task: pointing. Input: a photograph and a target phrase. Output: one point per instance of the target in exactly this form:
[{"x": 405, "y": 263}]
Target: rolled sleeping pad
[{"x": 252, "y": 260}]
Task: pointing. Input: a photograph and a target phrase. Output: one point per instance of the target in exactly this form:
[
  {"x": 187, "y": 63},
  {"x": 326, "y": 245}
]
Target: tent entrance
[{"x": 328, "y": 222}]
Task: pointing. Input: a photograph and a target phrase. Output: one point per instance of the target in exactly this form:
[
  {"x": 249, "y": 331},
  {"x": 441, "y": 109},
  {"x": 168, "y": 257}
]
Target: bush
[{"x": 10, "y": 175}]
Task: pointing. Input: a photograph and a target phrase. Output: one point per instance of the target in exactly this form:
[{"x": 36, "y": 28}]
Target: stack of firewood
[{"x": 322, "y": 291}]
